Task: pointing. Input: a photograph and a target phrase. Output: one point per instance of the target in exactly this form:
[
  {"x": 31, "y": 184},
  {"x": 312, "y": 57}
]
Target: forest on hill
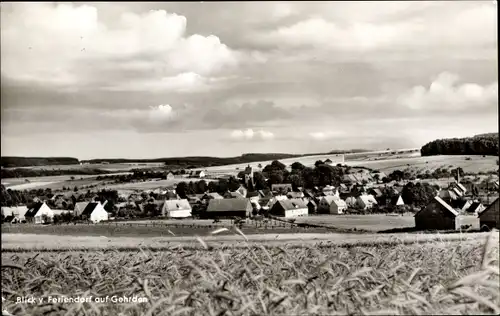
[
  {"x": 483, "y": 144},
  {"x": 13, "y": 162}
]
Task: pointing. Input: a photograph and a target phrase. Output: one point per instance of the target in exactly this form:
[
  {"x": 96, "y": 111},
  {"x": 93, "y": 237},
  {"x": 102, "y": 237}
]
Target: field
[
  {"x": 421, "y": 164},
  {"x": 387, "y": 164},
  {"x": 109, "y": 167},
  {"x": 149, "y": 185},
  {"x": 375, "y": 222},
  {"x": 457, "y": 275},
  {"x": 53, "y": 182}
]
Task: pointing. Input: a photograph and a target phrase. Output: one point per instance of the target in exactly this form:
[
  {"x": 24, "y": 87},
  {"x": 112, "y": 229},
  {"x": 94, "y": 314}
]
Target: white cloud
[
  {"x": 445, "y": 92},
  {"x": 390, "y": 27},
  {"x": 79, "y": 37},
  {"x": 183, "y": 82},
  {"x": 250, "y": 134},
  {"x": 326, "y": 135}
]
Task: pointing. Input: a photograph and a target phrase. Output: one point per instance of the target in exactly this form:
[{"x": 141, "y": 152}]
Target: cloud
[
  {"x": 387, "y": 28},
  {"x": 327, "y": 135},
  {"x": 185, "y": 82},
  {"x": 81, "y": 43},
  {"x": 250, "y": 134},
  {"x": 445, "y": 92}
]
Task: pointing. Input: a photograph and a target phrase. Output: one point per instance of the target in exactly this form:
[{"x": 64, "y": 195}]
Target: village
[{"x": 260, "y": 194}]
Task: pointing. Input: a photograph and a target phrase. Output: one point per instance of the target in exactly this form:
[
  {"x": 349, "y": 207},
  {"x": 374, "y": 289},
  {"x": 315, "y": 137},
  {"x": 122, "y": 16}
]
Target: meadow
[
  {"x": 473, "y": 164},
  {"x": 53, "y": 182},
  {"x": 149, "y": 185},
  {"x": 394, "y": 277}
]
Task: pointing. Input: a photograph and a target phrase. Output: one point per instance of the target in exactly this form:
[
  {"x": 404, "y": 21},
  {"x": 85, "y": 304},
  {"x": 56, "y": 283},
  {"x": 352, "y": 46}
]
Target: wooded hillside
[{"x": 484, "y": 144}]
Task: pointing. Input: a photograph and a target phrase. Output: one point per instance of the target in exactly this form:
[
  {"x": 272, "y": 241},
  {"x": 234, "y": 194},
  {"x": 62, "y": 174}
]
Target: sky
[{"x": 150, "y": 80}]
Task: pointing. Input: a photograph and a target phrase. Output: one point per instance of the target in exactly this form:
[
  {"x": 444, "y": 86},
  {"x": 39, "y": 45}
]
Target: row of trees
[{"x": 479, "y": 145}]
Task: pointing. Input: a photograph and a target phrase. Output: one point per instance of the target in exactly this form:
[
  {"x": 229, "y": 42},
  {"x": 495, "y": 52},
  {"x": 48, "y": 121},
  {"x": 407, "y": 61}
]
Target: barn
[
  {"x": 229, "y": 208},
  {"x": 289, "y": 208},
  {"x": 490, "y": 217},
  {"x": 437, "y": 215}
]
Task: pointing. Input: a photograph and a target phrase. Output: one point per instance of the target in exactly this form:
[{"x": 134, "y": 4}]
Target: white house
[
  {"x": 366, "y": 201},
  {"x": 338, "y": 206},
  {"x": 95, "y": 212},
  {"x": 289, "y": 208},
  {"x": 38, "y": 212},
  {"x": 14, "y": 214},
  {"x": 176, "y": 209},
  {"x": 397, "y": 200}
]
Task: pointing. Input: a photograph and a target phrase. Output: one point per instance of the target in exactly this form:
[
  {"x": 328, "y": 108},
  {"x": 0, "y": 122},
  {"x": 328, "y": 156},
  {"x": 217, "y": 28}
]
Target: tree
[
  {"x": 298, "y": 166},
  {"x": 201, "y": 187},
  {"x": 318, "y": 163},
  {"x": 418, "y": 194},
  {"x": 259, "y": 181},
  {"x": 181, "y": 189}
]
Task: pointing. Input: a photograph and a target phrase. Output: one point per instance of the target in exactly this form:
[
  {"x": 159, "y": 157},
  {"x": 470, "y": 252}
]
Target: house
[
  {"x": 277, "y": 198},
  {"x": 448, "y": 196},
  {"x": 228, "y": 208},
  {"x": 171, "y": 195},
  {"x": 170, "y": 176},
  {"x": 458, "y": 188},
  {"x": 295, "y": 195},
  {"x": 242, "y": 190},
  {"x": 14, "y": 214},
  {"x": 329, "y": 190},
  {"x": 490, "y": 217},
  {"x": 351, "y": 201},
  {"x": 176, "y": 209},
  {"x": 397, "y": 200},
  {"x": 284, "y": 187},
  {"x": 475, "y": 208},
  {"x": 212, "y": 195},
  {"x": 253, "y": 196},
  {"x": 197, "y": 174},
  {"x": 79, "y": 207},
  {"x": 233, "y": 195},
  {"x": 376, "y": 192},
  {"x": 366, "y": 201},
  {"x": 95, "y": 212},
  {"x": 324, "y": 204},
  {"x": 437, "y": 215},
  {"x": 40, "y": 213},
  {"x": 195, "y": 198},
  {"x": 328, "y": 162},
  {"x": 289, "y": 208},
  {"x": 312, "y": 207},
  {"x": 338, "y": 206}
]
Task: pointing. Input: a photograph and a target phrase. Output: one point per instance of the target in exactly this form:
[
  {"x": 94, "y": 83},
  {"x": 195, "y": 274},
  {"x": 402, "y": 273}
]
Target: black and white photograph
[{"x": 249, "y": 158}]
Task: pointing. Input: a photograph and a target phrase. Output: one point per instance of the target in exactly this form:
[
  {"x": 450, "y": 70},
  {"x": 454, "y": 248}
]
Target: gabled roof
[
  {"x": 32, "y": 212},
  {"x": 461, "y": 186},
  {"x": 329, "y": 199},
  {"x": 89, "y": 209},
  {"x": 214, "y": 195},
  {"x": 282, "y": 185},
  {"x": 175, "y": 205},
  {"x": 492, "y": 207},
  {"x": 377, "y": 191},
  {"x": 295, "y": 195},
  {"x": 292, "y": 204},
  {"x": 81, "y": 205},
  {"x": 474, "y": 207},
  {"x": 445, "y": 205},
  {"x": 18, "y": 211},
  {"x": 395, "y": 199},
  {"x": 234, "y": 195},
  {"x": 339, "y": 202},
  {"x": 227, "y": 205},
  {"x": 312, "y": 202},
  {"x": 367, "y": 198}
]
